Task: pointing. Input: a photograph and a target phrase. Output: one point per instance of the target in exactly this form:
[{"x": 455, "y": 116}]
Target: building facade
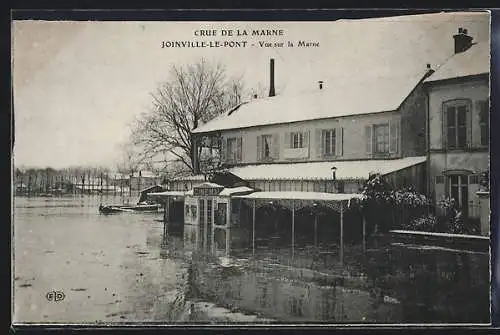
[
  {"x": 308, "y": 131},
  {"x": 458, "y": 116}
]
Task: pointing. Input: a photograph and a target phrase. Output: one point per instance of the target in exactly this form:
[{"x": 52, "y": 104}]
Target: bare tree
[
  {"x": 130, "y": 161},
  {"x": 193, "y": 95}
]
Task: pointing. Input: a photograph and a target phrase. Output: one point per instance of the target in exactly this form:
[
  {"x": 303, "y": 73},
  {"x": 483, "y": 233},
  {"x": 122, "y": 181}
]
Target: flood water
[{"x": 120, "y": 268}]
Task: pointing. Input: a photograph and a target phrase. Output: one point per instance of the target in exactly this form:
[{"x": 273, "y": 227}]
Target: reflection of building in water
[{"x": 292, "y": 300}]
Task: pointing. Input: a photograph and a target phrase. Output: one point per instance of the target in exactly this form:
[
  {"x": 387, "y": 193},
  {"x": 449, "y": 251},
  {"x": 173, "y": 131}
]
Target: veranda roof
[
  {"x": 319, "y": 196},
  {"x": 359, "y": 169}
]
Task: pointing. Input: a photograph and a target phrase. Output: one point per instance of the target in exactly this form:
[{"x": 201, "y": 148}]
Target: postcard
[{"x": 252, "y": 172}]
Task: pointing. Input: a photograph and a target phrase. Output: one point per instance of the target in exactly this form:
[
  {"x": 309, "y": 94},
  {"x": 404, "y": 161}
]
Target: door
[
  {"x": 459, "y": 190},
  {"x": 205, "y": 224}
]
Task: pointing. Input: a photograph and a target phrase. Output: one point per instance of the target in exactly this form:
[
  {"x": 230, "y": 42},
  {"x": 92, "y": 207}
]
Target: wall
[
  {"x": 183, "y": 185},
  {"x": 354, "y": 143},
  {"x": 327, "y": 186},
  {"x": 477, "y": 89},
  {"x": 413, "y": 125},
  {"x": 475, "y": 158}
]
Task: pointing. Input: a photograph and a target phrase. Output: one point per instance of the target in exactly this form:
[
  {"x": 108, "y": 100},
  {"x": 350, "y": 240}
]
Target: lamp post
[{"x": 334, "y": 175}]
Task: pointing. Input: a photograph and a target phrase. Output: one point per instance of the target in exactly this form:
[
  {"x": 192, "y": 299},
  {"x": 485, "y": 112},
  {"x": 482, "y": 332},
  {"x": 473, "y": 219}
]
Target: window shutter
[
  {"x": 478, "y": 106},
  {"x": 223, "y": 146},
  {"x": 444, "y": 133},
  {"x": 393, "y": 136},
  {"x": 339, "y": 141},
  {"x": 439, "y": 188},
  {"x": 276, "y": 147},
  {"x": 319, "y": 143},
  {"x": 287, "y": 141},
  {"x": 469, "y": 127},
  {"x": 259, "y": 148},
  {"x": 305, "y": 136},
  {"x": 239, "y": 151},
  {"x": 368, "y": 139},
  {"x": 474, "y": 187}
]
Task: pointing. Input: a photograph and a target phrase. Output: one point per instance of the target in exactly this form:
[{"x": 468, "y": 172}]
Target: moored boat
[{"x": 108, "y": 209}]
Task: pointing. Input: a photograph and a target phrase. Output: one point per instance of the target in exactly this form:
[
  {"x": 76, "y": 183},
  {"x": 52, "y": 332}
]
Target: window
[
  {"x": 266, "y": 146},
  {"x": 209, "y": 212},
  {"x": 381, "y": 138},
  {"x": 221, "y": 214},
  {"x": 484, "y": 123},
  {"x": 297, "y": 140},
  {"x": 234, "y": 149},
  {"x": 340, "y": 187},
  {"x": 329, "y": 141},
  {"x": 455, "y": 124}
]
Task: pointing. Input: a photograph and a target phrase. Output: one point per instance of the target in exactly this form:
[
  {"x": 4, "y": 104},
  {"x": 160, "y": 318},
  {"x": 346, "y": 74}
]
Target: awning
[
  {"x": 319, "y": 196},
  {"x": 345, "y": 170},
  {"x": 298, "y": 200}
]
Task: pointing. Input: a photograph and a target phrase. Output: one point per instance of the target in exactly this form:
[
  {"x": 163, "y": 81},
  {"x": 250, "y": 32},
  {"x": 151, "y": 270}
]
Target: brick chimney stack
[
  {"x": 272, "y": 91},
  {"x": 462, "y": 40}
]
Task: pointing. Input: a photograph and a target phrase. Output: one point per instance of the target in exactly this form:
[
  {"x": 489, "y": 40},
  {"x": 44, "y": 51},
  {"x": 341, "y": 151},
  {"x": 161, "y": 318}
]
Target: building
[
  {"x": 317, "y": 146},
  {"x": 143, "y": 179},
  {"x": 292, "y": 143},
  {"x": 458, "y": 116}
]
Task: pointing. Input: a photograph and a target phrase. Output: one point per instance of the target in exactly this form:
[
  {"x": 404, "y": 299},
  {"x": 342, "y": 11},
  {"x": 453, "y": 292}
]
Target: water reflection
[
  {"x": 402, "y": 285},
  {"x": 124, "y": 268}
]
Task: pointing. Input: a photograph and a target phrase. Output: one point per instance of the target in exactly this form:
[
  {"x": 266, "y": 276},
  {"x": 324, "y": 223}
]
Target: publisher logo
[{"x": 55, "y": 296}]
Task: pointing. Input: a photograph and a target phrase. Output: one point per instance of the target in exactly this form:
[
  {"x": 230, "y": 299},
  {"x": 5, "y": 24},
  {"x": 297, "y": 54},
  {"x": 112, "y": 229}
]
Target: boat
[
  {"x": 109, "y": 209},
  {"x": 145, "y": 204},
  {"x": 140, "y": 207},
  {"x": 144, "y": 207}
]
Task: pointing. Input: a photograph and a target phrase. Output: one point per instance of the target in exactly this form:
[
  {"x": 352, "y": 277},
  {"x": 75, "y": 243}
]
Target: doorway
[{"x": 205, "y": 225}]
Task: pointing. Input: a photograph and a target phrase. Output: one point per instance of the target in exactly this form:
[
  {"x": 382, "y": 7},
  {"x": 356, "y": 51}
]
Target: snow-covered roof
[
  {"x": 168, "y": 193},
  {"x": 473, "y": 61},
  {"x": 235, "y": 190},
  {"x": 360, "y": 169},
  {"x": 337, "y": 99},
  {"x": 320, "y": 196},
  {"x": 208, "y": 184},
  {"x": 151, "y": 188}
]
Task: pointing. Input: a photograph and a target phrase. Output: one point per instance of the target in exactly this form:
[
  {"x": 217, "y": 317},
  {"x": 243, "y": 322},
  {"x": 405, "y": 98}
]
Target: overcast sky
[{"x": 78, "y": 85}]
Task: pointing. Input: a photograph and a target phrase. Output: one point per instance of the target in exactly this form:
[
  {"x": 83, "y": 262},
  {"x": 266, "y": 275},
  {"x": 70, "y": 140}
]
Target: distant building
[{"x": 143, "y": 179}]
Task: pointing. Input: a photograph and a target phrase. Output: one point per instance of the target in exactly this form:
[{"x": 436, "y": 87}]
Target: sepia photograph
[{"x": 252, "y": 172}]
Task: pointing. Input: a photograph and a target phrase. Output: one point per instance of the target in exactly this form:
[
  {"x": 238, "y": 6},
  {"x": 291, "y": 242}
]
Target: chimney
[
  {"x": 272, "y": 92},
  {"x": 320, "y": 83},
  {"x": 462, "y": 40}
]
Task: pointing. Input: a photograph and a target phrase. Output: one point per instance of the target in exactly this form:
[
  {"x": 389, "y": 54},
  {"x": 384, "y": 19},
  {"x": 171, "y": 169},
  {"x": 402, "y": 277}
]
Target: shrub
[{"x": 422, "y": 223}]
